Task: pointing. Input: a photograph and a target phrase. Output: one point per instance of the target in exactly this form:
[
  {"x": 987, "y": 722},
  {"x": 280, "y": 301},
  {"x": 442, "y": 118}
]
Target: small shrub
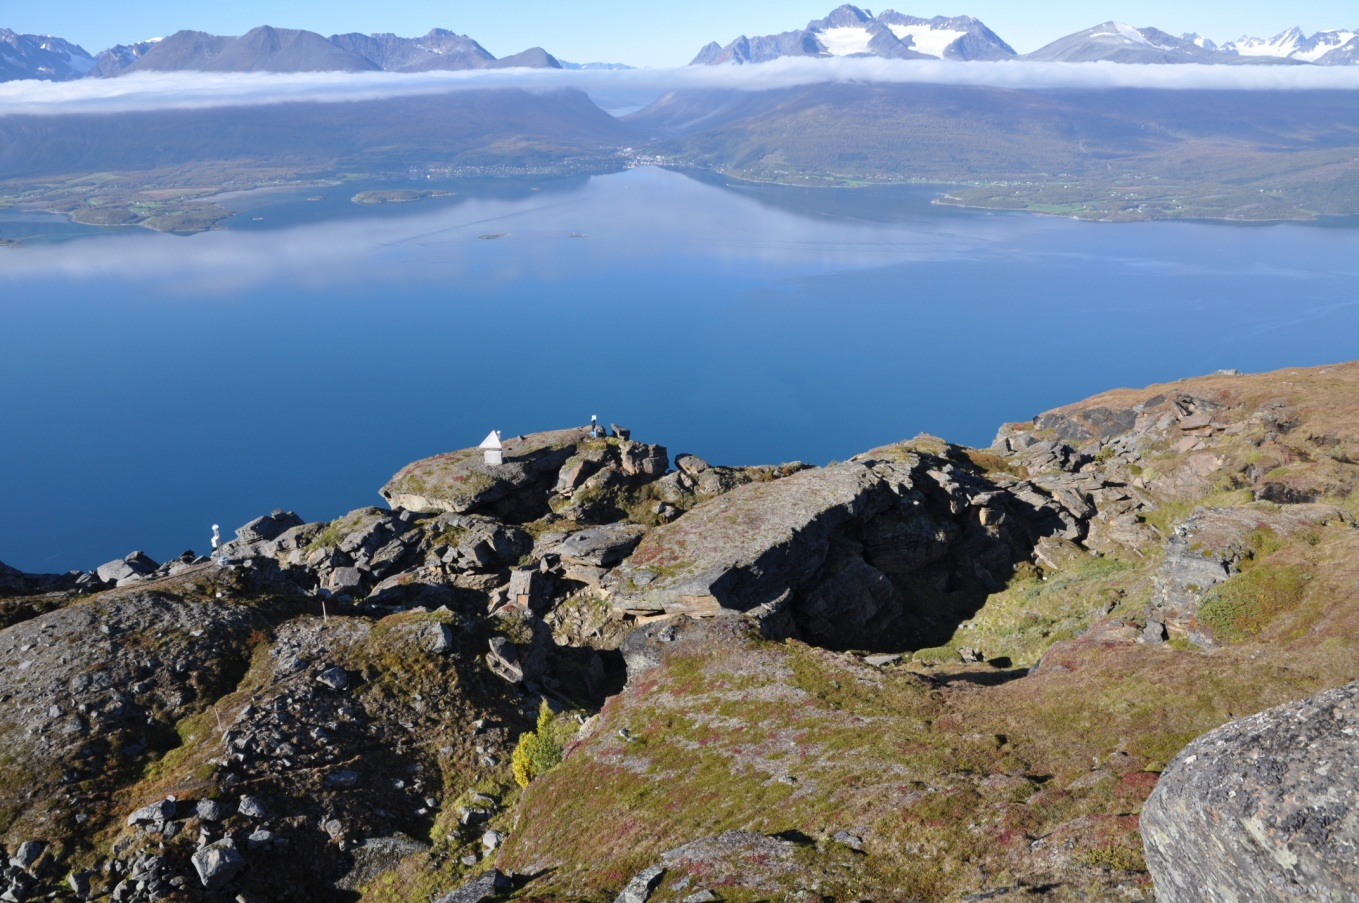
[
  {"x": 539, "y": 751},
  {"x": 328, "y": 537}
]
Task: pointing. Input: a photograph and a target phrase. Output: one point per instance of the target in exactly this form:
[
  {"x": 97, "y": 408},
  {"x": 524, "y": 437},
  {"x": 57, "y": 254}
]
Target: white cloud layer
[{"x": 201, "y": 90}]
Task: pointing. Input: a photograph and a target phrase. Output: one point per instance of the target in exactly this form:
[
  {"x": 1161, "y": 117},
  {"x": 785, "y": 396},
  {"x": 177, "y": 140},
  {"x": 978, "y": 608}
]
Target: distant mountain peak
[
  {"x": 1120, "y": 42},
  {"x": 852, "y": 31},
  {"x": 45, "y": 57},
  {"x": 1337, "y": 46}
]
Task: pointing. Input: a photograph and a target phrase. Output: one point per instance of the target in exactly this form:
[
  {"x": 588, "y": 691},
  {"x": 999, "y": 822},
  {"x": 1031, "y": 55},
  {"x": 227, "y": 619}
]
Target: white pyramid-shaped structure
[{"x": 492, "y": 440}]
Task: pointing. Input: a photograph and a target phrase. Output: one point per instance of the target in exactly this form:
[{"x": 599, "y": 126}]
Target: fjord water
[{"x": 152, "y": 385}]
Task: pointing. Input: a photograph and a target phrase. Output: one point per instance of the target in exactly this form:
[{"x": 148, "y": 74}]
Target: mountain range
[
  {"x": 262, "y": 49},
  {"x": 851, "y": 31},
  {"x": 846, "y": 31}
]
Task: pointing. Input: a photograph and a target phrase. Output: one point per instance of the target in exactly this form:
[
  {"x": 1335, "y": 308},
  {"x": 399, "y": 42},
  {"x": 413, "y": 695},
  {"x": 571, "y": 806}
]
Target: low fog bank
[{"x": 200, "y": 90}]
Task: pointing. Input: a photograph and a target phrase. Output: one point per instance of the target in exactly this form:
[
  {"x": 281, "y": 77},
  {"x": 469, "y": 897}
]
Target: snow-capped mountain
[
  {"x": 851, "y": 31},
  {"x": 1347, "y": 55},
  {"x": 948, "y": 38},
  {"x": 1294, "y": 45},
  {"x": 1199, "y": 40},
  {"x": 41, "y": 57},
  {"x": 114, "y": 60},
  {"x": 1120, "y": 43}
]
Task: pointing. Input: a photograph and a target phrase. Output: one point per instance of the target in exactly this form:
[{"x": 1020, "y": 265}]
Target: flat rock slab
[
  {"x": 1264, "y": 808},
  {"x": 601, "y": 546},
  {"x": 751, "y": 546},
  {"x": 462, "y": 482}
]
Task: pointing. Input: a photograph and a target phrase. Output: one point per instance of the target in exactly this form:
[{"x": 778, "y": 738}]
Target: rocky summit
[{"x": 1113, "y": 656}]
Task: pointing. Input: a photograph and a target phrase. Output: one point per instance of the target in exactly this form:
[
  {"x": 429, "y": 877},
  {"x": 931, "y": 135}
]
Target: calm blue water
[{"x": 151, "y": 385}]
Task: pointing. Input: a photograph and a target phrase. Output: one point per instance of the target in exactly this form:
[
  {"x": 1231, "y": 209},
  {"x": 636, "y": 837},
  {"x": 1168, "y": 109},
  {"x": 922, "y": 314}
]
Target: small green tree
[{"x": 541, "y": 750}]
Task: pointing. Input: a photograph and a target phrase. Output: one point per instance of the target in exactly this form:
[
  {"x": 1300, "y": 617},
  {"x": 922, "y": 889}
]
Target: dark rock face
[
  {"x": 1264, "y": 808},
  {"x": 1101, "y": 423},
  {"x": 642, "y": 648},
  {"x": 870, "y": 552}
]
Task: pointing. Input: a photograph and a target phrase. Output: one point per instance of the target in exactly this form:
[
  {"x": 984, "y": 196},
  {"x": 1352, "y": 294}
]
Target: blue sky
[{"x": 643, "y": 34}]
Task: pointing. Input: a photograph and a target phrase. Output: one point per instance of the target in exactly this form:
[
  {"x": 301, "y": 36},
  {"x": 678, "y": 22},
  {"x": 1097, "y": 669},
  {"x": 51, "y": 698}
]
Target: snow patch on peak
[
  {"x": 1323, "y": 43},
  {"x": 926, "y": 38},
  {"x": 1131, "y": 33},
  {"x": 845, "y": 40},
  {"x": 1198, "y": 40},
  {"x": 1284, "y": 44}
]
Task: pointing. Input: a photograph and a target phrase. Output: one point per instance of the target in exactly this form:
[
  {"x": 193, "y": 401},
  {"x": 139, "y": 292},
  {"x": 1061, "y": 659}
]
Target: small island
[{"x": 397, "y": 195}]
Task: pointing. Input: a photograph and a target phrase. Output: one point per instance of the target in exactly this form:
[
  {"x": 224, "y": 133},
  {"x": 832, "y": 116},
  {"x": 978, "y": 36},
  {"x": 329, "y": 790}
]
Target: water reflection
[
  {"x": 153, "y": 385},
  {"x": 619, "y": 219}
]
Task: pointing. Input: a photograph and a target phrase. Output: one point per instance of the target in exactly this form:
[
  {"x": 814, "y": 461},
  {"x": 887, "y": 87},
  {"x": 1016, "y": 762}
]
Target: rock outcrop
[
  {"x": 92, "y": 684},
  {"x": 1210, "y": 546},
  {"x": 1265, "y": 808},
  {"x": 285, "y": 718},
  {"x": 869, "y": 552},
  {"x": 462, "y": 482}
]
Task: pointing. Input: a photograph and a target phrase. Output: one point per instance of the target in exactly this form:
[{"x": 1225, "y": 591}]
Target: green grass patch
[{"x": 1245, "y": 604}]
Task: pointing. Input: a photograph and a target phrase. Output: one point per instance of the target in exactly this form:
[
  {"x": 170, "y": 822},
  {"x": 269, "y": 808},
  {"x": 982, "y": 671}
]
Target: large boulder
[
  {"x": 753, "y": 546},
  {"x": 479, "y": 889},
  {"x": 1264, "y": 808},
  {"x": 267, "y": 527},
  {"x": 123, "y": 571},
  {"x": 847, "y": 555},
  {"x": 217, "y": 865}
]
